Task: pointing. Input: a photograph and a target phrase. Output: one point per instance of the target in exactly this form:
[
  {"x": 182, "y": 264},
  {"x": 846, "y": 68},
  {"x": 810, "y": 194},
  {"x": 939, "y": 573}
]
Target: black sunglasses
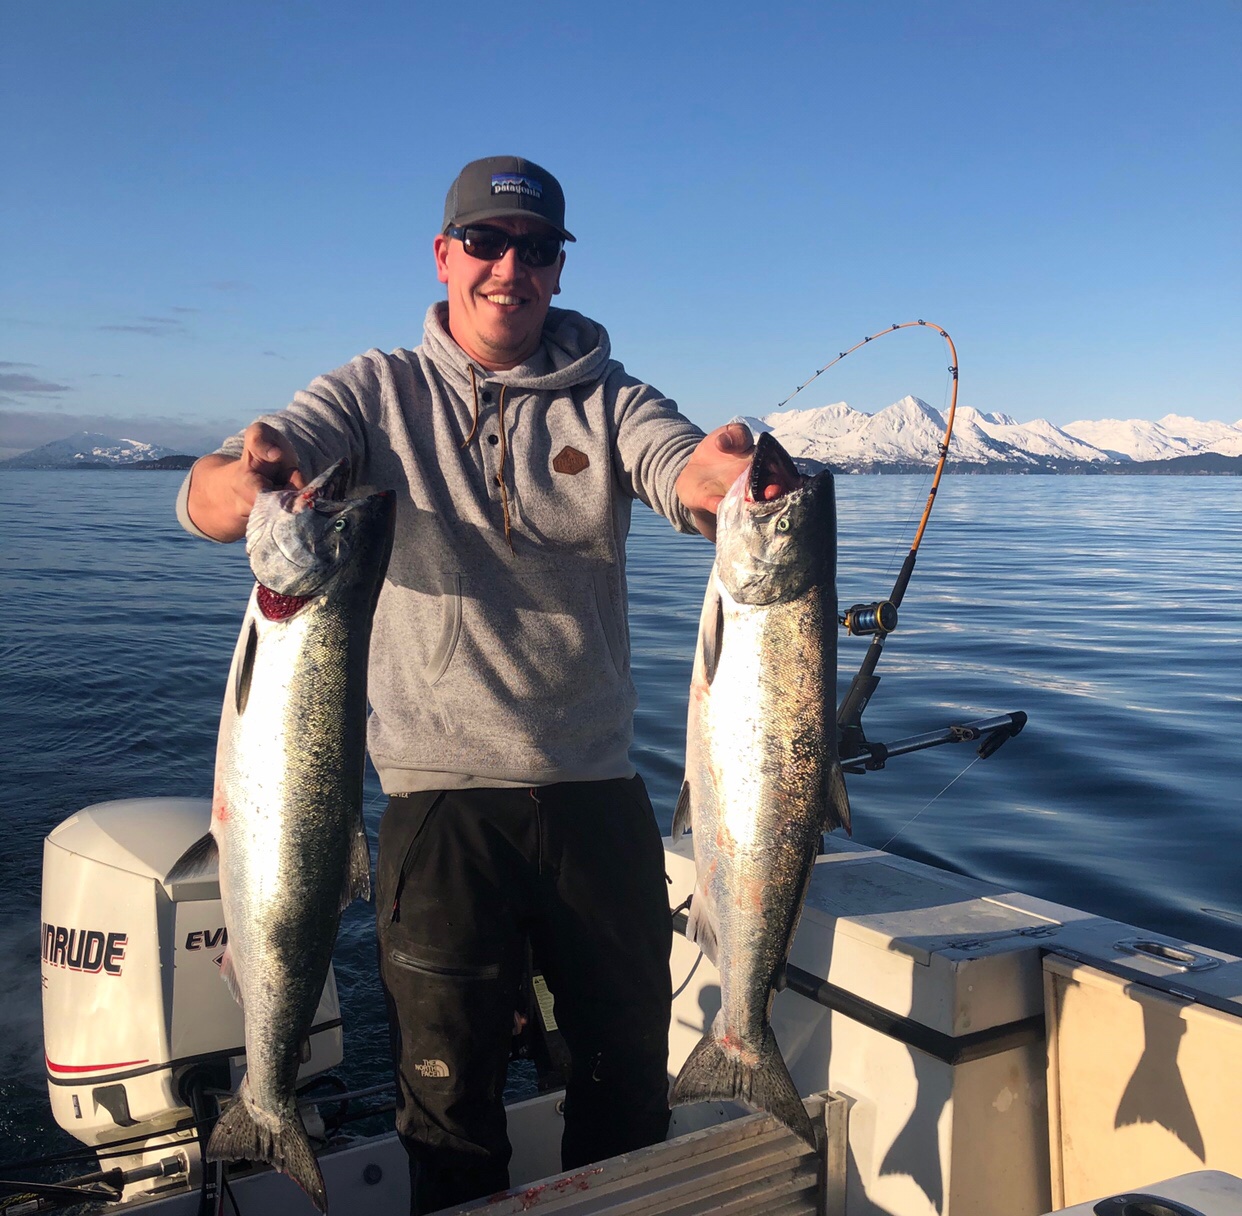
[{"x": 491, "y": 244}]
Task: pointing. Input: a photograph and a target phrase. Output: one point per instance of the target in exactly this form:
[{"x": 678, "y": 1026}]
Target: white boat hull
[{"x": 980, "y": 1053}]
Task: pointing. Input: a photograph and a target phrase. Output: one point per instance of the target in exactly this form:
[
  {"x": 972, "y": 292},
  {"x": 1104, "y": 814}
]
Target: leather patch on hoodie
[{"x": 570, "y": 460}]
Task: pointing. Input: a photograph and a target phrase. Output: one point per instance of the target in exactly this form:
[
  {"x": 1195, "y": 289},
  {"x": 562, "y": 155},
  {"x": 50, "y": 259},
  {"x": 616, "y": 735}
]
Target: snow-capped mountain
[
  {"x": 1173, "y": 435},
  {"x": 85, "y": 450},
  {"x": 908, "y": 434},
  {"x": 1038, "y": 439}
]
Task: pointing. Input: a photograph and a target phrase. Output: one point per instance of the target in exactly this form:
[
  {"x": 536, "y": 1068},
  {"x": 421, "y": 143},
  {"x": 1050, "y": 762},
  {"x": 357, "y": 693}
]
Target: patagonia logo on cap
[{"x": 516, "y": 183}]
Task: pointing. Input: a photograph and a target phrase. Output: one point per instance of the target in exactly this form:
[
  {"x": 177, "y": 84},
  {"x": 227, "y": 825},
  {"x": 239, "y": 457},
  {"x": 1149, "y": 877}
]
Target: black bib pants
[{"x": 465, "y": 878}]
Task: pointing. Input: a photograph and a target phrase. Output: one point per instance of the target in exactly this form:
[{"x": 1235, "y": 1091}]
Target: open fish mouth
[
  {"x": 297, "y": 539},
  {"x": 772, "y": 472},
  {"x": 329, "y": 486}
]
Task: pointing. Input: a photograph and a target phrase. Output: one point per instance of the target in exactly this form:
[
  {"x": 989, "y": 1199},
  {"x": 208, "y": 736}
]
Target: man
[{"x": 500, "y": 678}]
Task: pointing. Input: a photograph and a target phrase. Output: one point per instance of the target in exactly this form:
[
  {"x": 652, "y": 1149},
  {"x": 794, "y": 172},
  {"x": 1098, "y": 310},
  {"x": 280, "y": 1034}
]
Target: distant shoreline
[
  {"x": 165, "y": 464},
  {"x": 1200, "y": 464},
  {"x": 1204, "y": 465}
]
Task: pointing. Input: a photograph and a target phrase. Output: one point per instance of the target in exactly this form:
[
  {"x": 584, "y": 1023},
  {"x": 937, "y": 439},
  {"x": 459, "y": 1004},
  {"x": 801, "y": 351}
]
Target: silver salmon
[
  {"x": 763, "y": 778},
  {"x": 286, "y": 826}
]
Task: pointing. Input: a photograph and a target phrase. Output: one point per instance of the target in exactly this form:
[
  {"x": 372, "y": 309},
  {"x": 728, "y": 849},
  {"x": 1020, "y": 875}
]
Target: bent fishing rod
[{"x": 879, "y": 618}]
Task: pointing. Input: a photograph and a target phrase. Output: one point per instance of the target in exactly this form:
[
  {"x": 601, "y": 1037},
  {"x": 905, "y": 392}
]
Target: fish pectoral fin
[
  {"x": 228, "y": 973},
  {"x": 711, "y": 635},
  {"x": 837, "y": 810},
  {"x": 681, "y": 816},
  {"x": 245, "y": 670},
  {"x": 702, "y": 924},
  {"x": 358, "y": 872},
  {"x": 200, "y": 860}
]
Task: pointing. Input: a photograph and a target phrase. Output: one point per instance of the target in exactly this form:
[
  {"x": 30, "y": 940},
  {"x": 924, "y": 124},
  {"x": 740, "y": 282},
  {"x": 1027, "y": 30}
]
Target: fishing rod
[
  {"x": 993, "y": 731},
  {"x": 858, "y": 755},
  {"x": 879, "y": 618}
]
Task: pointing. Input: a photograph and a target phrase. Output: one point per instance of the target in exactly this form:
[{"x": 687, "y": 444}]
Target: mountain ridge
[
  {"x": 906, "y": 436},
  {"x": 91, "y": 450}
]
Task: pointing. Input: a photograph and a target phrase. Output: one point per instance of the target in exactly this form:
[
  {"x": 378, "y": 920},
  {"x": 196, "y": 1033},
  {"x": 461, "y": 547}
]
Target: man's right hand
[{"x": 223, "y": 488}]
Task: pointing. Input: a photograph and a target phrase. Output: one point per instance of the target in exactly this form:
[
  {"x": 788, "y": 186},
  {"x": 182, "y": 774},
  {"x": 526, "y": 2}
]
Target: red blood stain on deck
[
  {"x": 529, "y": 1197},
  {"x": 577, "y": 1182},
  {"x": 533, "y": 1195}
]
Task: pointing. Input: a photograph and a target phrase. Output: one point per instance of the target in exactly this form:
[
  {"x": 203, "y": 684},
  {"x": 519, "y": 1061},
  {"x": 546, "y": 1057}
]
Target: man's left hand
[{"x": 713, "y": 467}]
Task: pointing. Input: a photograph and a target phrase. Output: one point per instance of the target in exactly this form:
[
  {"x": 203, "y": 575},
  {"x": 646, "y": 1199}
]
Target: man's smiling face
[{"x": 497, "y": 309}]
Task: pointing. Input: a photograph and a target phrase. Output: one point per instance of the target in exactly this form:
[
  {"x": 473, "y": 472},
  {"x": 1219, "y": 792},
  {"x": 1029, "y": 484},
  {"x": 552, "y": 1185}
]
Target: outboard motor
[{"x": 138, "y": 1027}]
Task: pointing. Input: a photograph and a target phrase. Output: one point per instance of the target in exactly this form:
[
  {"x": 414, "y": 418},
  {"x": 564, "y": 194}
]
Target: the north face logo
[
  {"x": 570, "y": 460},
  {"x": 432, "y": 1068}
]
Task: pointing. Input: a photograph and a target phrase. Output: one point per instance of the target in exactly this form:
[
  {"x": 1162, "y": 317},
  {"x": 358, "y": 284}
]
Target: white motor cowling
[{"x": 133, "y": 1002}]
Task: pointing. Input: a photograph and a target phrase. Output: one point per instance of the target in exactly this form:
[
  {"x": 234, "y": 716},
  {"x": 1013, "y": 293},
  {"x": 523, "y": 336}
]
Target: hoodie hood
[{"x": 575, "y": 350}]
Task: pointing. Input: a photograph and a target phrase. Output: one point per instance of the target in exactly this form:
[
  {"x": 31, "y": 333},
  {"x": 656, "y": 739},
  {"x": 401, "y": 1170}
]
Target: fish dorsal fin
[
  {"x": 200, "y": 860},
  {"x": 358, "y": 872},
  {"x": 245, "y": 670},
  {"x": 837, "y": 810},
  {"x": 681, "y": 816},
  {"x": 702, "y": 923},
  {"x": 711, "y": 635}
]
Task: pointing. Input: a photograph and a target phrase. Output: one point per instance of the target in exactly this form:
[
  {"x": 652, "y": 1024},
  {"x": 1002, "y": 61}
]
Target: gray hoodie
[{"x": 500, "y": 653}]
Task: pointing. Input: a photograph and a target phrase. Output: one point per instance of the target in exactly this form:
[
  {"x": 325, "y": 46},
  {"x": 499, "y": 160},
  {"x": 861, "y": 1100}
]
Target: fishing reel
[{"x": 862, "y": 620}]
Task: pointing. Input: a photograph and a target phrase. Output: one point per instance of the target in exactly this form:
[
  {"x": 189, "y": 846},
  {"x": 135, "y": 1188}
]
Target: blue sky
[{"x": 206, "y": 206}]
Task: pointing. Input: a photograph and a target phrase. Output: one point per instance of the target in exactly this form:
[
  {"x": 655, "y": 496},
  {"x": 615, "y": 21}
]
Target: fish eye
[
  {"x": 340, "y": 524},
  {"x": 782, "y": 524}
]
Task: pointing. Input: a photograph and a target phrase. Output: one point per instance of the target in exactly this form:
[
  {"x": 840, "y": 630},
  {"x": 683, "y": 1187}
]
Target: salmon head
[
  {"x": 776, "y": 529},
  {"x": 304, "y": 543}
]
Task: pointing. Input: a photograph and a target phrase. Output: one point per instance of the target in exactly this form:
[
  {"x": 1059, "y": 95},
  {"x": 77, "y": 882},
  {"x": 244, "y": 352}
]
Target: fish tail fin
[
  {"x": 239, "y": 1136},
  {"x": 712, "y": 1074}
]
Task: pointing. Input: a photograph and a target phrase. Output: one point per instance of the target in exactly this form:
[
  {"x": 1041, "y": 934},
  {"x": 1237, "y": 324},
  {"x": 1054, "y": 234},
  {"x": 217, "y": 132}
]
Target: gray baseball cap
[{"x": 499, "y": 186}]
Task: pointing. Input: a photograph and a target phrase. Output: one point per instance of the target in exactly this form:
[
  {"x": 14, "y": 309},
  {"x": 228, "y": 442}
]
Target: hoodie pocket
[
  {"x": 450, "y": 631},
  {"x": 607, "y": 621}
]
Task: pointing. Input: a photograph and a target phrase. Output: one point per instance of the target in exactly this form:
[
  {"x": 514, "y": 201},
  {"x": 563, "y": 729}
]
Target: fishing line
[
  {"x": 903, "y": 529},
  {"x": 947, "y": 402},
  {"x": 950, "y": 392},
  {"x": 689, "y": 977},
  {"x": 899, "y": 588},
  {"x": 86, "y": 1154},
  {"x": 908, "y": 822}
]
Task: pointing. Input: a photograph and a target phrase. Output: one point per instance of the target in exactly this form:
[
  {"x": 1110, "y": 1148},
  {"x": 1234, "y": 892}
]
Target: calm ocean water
[{"x": 1108, "y": 608}]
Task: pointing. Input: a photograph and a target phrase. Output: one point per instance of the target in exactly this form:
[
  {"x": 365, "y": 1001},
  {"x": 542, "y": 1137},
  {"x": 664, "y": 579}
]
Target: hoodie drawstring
[
  {"x": 500, "y": 477},
  {"x": 474, "y": 389},
  {"x": 504, "y": 449}
]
